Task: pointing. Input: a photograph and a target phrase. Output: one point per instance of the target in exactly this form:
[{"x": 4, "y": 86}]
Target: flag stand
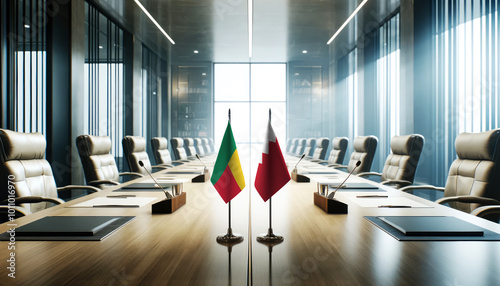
[
  {"x": 229, "y": 237},
  {"x": 270, "y": 237}
]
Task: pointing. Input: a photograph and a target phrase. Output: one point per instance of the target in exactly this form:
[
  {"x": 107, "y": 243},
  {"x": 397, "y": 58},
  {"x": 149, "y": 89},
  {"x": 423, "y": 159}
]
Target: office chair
[
  {"x": 178, "y": 149},
  {"x": 24, "y": 167},
  {"x": 401, "y": 165},
  {"x": 320, "y": 150},
  {"x": 288, "y": 145},
  {"x": 211, "y": 144},
  {"x": 293, "y": 147},
  {"x": 161, "y": 153},
  {"x": 99, "y": 165},
  {"x": 206, "y": 145},
  {"x": 337, "y": 154},
  {"x": 301, "y": 145},
  {"x": 364, "y": 151},
  {"x": 474, "y": 177},
  {"x": 310, "y": 146},
  {"x": 189, "y": 146},
  {"x": 198, "y": 145},
  {"x": 134, "y": 149}
]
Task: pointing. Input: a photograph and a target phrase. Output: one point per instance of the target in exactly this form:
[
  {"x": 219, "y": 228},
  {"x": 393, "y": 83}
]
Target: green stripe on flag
[{"x": 226, "y": 150}]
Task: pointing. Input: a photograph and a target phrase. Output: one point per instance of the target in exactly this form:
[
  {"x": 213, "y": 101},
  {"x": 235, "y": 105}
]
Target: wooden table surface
[{"x": 318, "y": 248}]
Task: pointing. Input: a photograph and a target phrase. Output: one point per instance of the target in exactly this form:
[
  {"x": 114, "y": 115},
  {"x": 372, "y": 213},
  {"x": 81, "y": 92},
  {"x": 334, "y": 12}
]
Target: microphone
[
  {"x": 197, "y": 156},
  {"x": 167, "y": 194},
  {"x": 331, "y": 195},
  {"x": 301, "y": 157}
]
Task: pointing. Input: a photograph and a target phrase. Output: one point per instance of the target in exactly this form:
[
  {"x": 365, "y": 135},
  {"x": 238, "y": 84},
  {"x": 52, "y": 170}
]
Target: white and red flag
[{"x": 272, "y": 173}]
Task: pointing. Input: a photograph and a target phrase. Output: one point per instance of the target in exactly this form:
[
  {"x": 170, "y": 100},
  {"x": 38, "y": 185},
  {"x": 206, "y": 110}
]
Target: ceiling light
[
  {"x": 195, "y": 51},
  {"x": 27, "y": 26},
  {"x": 347, "y": 21},
  {"x": 101, "y": 47},
  {"x": 304, "y": 51},
  {"x": 250, "y": 27},
  {"x": 204, "y": 74},
  {"x": 297, "y": 73},
  {"x": 154, "y": 21}
]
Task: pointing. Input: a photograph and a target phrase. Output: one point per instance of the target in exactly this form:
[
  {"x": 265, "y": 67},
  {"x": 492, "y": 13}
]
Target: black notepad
[
  {"x": 432, "y": 226},
  {"x": 148, "y": 186},
  {"x": 354, "y": 186},
  {"x": 65, "y": 226}
]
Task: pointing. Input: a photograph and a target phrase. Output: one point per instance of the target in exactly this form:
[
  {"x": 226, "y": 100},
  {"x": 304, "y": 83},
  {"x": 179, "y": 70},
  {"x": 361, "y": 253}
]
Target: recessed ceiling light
[
  {"x": 347, "y": 21},
  {"x": 304, "y": 51},
  {"x": 27, "y": 26},
  {"x": 297, "y": 73},
  {"x": 204, "y": 73},
  {"x": 154, "y": 21},
  {"x": 101, "y": 47},
  {"x": 195, "y": 51}
]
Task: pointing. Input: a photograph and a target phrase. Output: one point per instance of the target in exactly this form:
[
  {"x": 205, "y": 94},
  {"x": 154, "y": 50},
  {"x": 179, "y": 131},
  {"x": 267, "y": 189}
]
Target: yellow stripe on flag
[{"x": 235, "y": 166}]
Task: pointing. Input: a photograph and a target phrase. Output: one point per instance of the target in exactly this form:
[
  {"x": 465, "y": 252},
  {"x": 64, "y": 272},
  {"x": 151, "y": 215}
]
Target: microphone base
[
  {"x": 201, "y": 178},
  {"x": 299, "y": 178},
  {"x": 330, "y": 206},
  {"x": 168, "y": 206}
]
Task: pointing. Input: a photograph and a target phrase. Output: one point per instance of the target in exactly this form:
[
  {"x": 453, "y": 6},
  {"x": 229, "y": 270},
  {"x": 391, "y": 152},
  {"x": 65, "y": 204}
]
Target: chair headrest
[
  {"x": 322, "y": 143},
  {"x": 364, "y": 143},
  {"x": 402, "y": 145},
  {"x": 478, "y": 146},
  {"x": 198, "y": 141},
  {"x": 89, "y": 145},
  {"x": 161, "y": 143},
  {"x": 22, "y": 146},
  {"x": 189, "y": 141},
  {"x": 310, "y": 141},
  {"x": 135, "y": 143},
  {"x": 178, "y": 142},
  {"x": 339, "y": 143},
  {"x": 205, "y": 141}
]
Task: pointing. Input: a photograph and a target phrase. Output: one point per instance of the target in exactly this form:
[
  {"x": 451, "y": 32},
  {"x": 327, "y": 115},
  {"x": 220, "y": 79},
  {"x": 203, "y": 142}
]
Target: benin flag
[{"x": 227, "y": 176}]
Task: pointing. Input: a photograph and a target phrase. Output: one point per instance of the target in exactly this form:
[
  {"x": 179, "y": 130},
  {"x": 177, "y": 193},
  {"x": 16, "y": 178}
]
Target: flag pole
[
  {"x": 270, "y": 238},
  {"x": 230, "y": 238}
]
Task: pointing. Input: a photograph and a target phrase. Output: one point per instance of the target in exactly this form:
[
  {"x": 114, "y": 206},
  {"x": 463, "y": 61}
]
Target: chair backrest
[
  {"x": 288, "y": 145},
  {"x": 211, "y": 144},
  {"x": 134, "y": 150},
  {"x": 293, "y": 147},
  {"x": 206, "y": 145},
  {"x": 198, "y": 144},
  {"x": 178, "y": 148},
  {"x": 301, "y": 145},
  {"x": 97, "y": 161},
  {"x": 189, "y": 146},
  {"x": 402, "y": 163},
  {"x": 310, "y": 146},
  {"x": 364, "y": 151},
  {"x": 160, "y": 150},
  {"x": 476, "y": 171},
  {"x": 23, "y": 163},
  {"x": 321, "y": 148},
  {"x": 339, "y": 148}
]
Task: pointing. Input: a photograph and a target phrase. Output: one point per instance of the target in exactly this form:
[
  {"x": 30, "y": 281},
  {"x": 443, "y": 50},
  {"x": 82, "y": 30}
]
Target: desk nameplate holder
[
  {"x": 170, "y": 205},
  {"x": 330, "y": 206},
  {"x": 202, "y": 178},
  {"x": 299, "y": 178}
]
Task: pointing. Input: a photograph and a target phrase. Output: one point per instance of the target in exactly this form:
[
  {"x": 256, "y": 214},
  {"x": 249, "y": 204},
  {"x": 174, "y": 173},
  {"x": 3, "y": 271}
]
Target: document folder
[
  {"x": 65, "y": 226},
  {"x": 432, "y": 226}
]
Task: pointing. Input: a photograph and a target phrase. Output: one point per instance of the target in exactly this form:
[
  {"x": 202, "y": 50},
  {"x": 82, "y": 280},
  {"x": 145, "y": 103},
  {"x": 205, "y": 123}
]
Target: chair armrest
[
  {"x": 469, "y": 199},
  {"x": 365, "y": 174},
  {"x": 338, "y": 166},
  {"x": 485, "y": 211},
  {"x": 19, "y": 211},
  {"x": 401, "y": 183},
  {"x": 91, "y": 189},
  {"x": 36, "y": 199},
  {"x": 131, "y": 174},
  {"x": 163, "y": 167},
  {"x": 166, "y": 165},
  {"x": 410, "y": 189},
  {"x": 178, "y": 162}
]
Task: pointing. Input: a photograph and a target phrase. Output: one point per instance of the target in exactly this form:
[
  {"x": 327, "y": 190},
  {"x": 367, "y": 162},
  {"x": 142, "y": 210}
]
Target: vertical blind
[
  {"x": 104, "y": 85},
  {"x": 27, "y": 65},
  {"x": 466, "y": 42}
]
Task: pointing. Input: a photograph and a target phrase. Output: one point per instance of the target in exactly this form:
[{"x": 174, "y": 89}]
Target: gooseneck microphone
[
  {"x": 301, "y": 157},
  {"x": 332, "y": 194},
  {"x": 167, "y": 194},
  {"x": 197, "y": 156}
]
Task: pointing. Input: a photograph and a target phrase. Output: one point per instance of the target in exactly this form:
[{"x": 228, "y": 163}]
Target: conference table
[{"x": 318, "y": 248}]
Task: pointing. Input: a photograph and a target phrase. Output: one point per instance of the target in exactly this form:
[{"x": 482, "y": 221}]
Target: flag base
[
  {"x": 229, "y": 238},
  {"x": 270, "y": 238}
]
